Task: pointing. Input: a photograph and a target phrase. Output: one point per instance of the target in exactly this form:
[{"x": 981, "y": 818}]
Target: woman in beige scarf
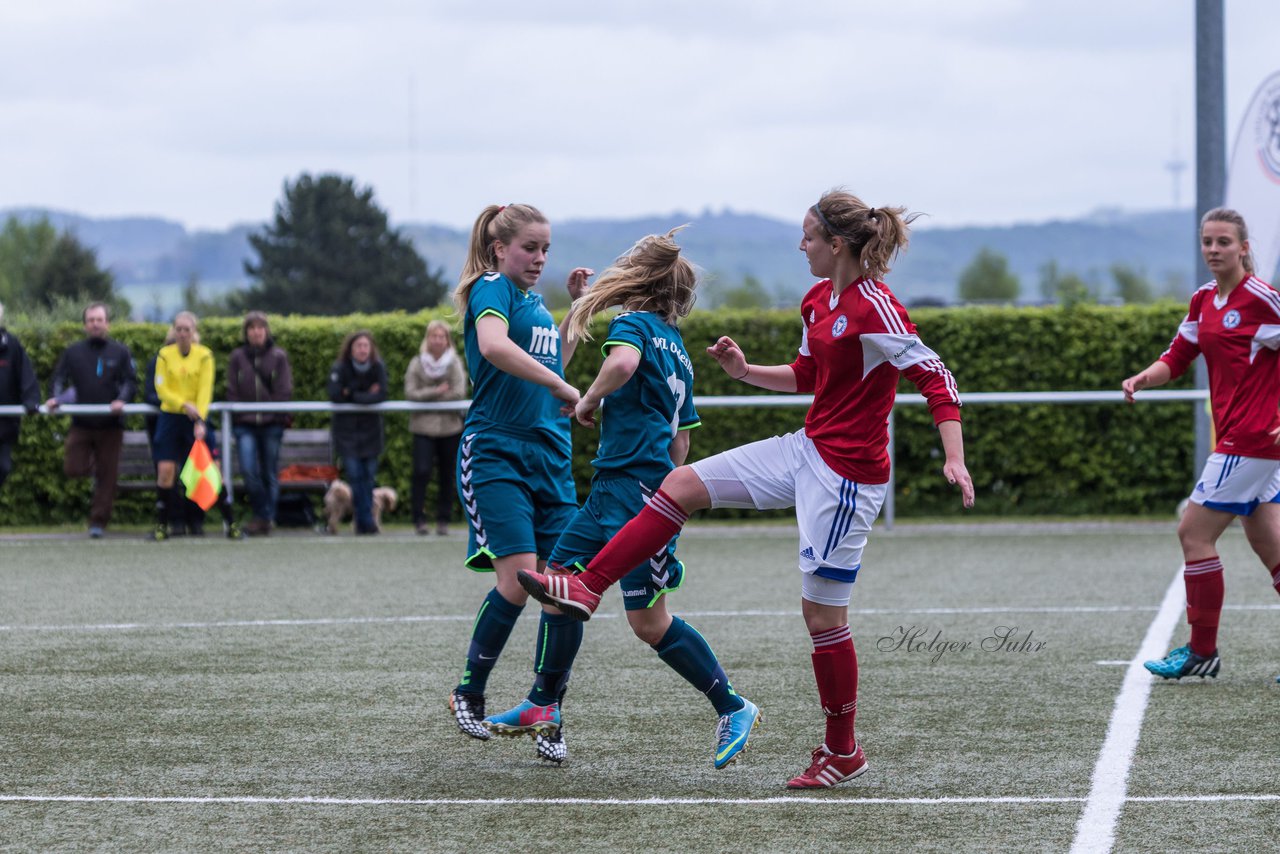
[{"x": 434, "y": 374}]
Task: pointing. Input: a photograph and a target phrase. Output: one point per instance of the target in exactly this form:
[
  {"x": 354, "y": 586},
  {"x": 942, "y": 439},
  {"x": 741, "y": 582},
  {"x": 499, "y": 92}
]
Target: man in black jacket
[
  {"x": 95, "y": 370},
  {"x": 18, "y": 386}
]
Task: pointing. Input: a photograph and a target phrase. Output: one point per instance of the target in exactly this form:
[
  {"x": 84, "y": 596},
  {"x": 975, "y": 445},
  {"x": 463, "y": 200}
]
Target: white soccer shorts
[
  {"x": 834, "y": 514},
  {"x": 1236, "y": 484}
]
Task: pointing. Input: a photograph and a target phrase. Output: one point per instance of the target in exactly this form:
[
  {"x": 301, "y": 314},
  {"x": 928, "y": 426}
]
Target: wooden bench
[{"x": 311, "y": 448}]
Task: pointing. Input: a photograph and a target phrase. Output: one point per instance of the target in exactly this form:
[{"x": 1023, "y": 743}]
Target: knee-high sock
[
  {"x": 178, "y": 503},
  {"x": 640, "y": 539},
  {"x": 224, "y": 506},
  {"x": 1275, "y": 577},
  {"x": 835, "y": 666},
  {"x": 687, "y": 652},
  {"x": 1204, "y": 603},
  {"x": 163, "y": 499},
  {"x": 489, "y": 635},
  {"x": 559, "y": 637}
]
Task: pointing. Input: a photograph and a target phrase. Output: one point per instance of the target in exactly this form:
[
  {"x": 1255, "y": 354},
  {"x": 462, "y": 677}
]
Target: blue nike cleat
[
  {"x": 1183, "y": 662},
  {"x": 526, "y": 719},
  {"x": 732, "y": 732}
]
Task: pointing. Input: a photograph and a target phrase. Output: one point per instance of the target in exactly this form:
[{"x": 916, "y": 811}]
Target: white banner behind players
[{"x": 1253, "y": 180}]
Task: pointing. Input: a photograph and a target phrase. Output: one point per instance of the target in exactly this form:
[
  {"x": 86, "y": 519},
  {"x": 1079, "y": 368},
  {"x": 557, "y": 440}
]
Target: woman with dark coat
[
  {"x": 359, "y": 376},
  {"x": 259, "y": 372}
]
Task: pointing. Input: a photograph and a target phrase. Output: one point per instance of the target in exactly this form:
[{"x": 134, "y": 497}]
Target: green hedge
[{"x": 1025, "y": 459}]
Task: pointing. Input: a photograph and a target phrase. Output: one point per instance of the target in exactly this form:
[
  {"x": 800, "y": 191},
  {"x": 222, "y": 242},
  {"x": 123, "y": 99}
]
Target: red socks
[
  {"x": 1275, "y": 577},
  {"x": 640, "y": 539},
  {"x": 835, "y": 666},
  {"x": 1204, "y": 603}
]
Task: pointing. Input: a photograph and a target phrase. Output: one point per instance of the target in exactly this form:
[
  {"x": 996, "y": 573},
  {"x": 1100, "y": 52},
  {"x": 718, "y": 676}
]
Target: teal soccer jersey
[
  {"x": 499, "y": 399},
  {"x": 638, "y": 421}
]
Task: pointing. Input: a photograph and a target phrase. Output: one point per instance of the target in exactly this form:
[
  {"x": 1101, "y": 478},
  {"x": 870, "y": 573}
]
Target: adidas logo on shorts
[{"x": 807, "y": 554}]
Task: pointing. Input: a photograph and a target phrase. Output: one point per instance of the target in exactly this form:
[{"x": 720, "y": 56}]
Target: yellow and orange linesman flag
[{"x": 201, "y": 476}]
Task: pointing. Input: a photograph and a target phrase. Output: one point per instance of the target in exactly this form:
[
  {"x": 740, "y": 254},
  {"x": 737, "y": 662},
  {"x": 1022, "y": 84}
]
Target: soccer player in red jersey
[
  {"x": 856, "y": 341},
  {"x": 1234, "y": 322}
]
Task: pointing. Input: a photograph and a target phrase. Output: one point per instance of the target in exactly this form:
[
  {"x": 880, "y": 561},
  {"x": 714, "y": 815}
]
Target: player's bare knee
[
  {"x": 648, "y": 626},
  {"x": 685, "y": 488}
]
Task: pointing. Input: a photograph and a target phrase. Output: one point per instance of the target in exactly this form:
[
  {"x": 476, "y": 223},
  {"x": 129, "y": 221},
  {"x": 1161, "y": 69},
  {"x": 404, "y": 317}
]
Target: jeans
[
  {"x": 258, "y": 449},
  {"x": 360, "y": 473}
]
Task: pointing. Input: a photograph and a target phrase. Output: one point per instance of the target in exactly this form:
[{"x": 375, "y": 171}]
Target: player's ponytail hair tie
[{"x": 501, "y": 208}]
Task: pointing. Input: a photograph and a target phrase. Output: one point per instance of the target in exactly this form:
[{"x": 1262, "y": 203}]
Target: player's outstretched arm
[
  {"x": 954, "y": 469},
  {"x": 731, "y": 358},
  {"x": 1156, "y": 374}
]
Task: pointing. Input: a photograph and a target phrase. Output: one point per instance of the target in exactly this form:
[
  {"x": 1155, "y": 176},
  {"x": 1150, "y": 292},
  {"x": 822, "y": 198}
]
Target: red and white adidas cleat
[
  {"x": 829, "y": 768},
  {"x": 562, "y": 590}
]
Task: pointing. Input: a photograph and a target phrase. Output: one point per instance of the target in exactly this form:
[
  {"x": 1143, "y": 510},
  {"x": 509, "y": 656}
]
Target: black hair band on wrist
[{"x": 744, "y": 373}]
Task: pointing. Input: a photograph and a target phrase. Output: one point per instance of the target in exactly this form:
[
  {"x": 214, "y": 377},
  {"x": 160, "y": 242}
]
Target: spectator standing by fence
[
  {"x": 97, "y": 370},
  {"x": 18, "y": 386},
  {"x": 435, "y": 374},
  {"x": 359, "y": 376},
  {"x": 259, "y": 372},
  {"x": 184, "y": 374}
]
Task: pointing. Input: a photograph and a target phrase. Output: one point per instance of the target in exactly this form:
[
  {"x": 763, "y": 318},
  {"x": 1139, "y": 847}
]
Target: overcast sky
[{"x": 983, "y": 111}]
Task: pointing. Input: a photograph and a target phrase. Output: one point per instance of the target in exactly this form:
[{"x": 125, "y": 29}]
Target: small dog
[{"x": 338, "y": 504}]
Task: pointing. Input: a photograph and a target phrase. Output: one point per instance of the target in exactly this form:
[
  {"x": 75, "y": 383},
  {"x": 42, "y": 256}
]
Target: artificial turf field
[{"x": 289, "y": 694}]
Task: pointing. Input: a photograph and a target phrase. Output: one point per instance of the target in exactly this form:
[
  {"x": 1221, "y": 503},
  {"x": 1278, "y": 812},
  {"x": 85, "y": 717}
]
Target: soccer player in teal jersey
[
  {"x": 644, "y": 393},
  {"x": 514, "y": 474}
]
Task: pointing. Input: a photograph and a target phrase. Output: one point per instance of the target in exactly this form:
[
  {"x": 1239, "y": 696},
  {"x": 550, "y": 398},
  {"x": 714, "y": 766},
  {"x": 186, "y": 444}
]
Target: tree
[
  {"x": 330, "y": 251},
  {"x": 988, "y": 279},
  {"x": 750, "y": 293},
  {"x": 1132, "y": 286},
  {"x": 194, "y": 300},
  {"x": 43, "y": 272},
  {"x": 1067, "y": 289}
]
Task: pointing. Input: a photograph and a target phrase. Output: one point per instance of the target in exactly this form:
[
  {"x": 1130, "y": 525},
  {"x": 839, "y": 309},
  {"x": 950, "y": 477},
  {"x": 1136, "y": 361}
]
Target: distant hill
[{"x": 153, "y": 258}]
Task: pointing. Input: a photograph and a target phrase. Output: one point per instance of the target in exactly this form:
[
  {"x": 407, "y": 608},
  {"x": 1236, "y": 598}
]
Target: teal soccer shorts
[{"x": 517, "y": 493}]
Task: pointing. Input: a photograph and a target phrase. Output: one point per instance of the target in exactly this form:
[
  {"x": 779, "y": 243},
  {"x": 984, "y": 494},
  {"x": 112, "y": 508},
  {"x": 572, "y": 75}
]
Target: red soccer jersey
[
  {"x": 851, "y": 354},
  {"x": 1238, "y": 337}
]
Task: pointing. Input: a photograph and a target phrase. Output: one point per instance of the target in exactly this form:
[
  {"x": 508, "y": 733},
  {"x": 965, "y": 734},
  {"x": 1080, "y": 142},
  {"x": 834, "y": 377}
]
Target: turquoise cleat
[
  {"x": 526, "y": 719},
  {"x": 1183, "y": 662},
  {"x": 732, "y": 732}
]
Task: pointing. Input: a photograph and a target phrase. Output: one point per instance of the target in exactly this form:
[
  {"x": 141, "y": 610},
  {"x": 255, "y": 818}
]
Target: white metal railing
[{"x": 226, "y": 409}]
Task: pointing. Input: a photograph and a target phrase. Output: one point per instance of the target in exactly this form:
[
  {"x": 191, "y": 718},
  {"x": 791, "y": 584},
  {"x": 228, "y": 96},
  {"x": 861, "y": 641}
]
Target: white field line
[
  {"x": 467, "y": 618},
  {"x": 1096, "y": 829},
  {"x": 829, "y": 800}
]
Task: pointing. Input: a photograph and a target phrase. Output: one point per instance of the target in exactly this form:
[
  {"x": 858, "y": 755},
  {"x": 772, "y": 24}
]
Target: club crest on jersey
[
  {"x": 838, "y": 328},
  {"x": 1231, "y": 319}
]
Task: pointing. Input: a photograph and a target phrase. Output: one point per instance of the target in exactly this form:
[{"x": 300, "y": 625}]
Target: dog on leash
[{"x": 338, "y": 504}]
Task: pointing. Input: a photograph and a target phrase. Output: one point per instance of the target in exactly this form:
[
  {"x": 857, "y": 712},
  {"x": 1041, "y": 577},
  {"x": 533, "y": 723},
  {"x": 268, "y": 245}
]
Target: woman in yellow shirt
[{"x": 184, "y": 385}]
